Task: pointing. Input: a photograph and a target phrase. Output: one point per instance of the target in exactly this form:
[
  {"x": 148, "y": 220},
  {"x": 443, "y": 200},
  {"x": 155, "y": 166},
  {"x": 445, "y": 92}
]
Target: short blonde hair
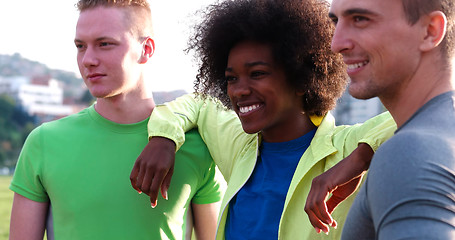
[{"x": 137, "y": 12}]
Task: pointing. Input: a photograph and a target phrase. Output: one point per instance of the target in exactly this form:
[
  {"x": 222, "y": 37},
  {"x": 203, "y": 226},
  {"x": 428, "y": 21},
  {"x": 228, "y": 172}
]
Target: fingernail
[
  {"x": 140, "y": 192},
  {"x": 153, "y": 204},
  {"x": 165, "y": 195},
  {"x": 317, "y": 230}
]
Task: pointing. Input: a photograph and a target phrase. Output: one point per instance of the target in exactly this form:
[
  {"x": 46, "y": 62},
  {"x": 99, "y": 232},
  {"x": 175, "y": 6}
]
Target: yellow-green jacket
[{"x": 235, "y": 153}]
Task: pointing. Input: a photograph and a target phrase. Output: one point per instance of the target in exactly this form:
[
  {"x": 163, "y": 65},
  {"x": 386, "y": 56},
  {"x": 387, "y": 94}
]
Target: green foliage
[
  {"x": 15, "y": 125},
  {"x": 87, "y": 98}
]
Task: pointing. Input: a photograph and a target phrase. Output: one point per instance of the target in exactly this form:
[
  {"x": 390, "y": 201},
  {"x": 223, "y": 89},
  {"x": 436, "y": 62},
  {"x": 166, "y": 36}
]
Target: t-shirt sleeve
[
  {"x": 413, "y": 191},
  {"x": 212, "y": 188},
  {"x": 27, "y": 179}
]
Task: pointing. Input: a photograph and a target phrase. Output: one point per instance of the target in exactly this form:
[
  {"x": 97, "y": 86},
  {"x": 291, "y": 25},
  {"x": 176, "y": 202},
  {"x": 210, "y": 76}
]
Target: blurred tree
[
  {"x": 87, "y": 98},
  {"x": 15, "y": 125}
]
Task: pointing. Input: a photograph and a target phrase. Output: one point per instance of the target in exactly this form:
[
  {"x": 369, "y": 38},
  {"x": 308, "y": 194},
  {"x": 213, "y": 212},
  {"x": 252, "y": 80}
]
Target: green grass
[{"x": 6, "y": 199}]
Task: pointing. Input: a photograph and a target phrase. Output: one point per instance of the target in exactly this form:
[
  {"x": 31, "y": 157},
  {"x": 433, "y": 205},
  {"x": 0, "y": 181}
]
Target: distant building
[
  {"x": 38, "y": 97},
  {"x": 351, "y": 111}
]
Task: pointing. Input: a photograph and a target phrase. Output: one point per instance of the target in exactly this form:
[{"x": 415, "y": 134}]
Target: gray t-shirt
[{"x": 409, "y": 192}]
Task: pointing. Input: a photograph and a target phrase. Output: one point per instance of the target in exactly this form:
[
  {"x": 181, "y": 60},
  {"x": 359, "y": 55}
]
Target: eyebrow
[
  {"x": 97, "y": 39},
  {"x": 251, "y": 64},
  {"x": 354, "y": 11}
]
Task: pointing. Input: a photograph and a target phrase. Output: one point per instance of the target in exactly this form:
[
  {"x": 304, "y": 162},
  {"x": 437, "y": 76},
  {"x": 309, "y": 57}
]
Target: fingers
[
  {"x": 154, "y": 168},
  {"x": 166, "y": 183},
  {"x": 319, "y": 216},
  {"x": 133, "y": 177},
  {"x": 140, "y": 179},
  {"x": 333, "y": 202},
  {"x": 316, "y": 207},
  {"x": 154, "y": 188}
]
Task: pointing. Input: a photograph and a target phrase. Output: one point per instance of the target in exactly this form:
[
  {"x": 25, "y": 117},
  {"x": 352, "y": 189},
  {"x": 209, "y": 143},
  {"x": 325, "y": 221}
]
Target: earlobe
[
  {"x": 435, "y": 30},
  {"x": 148, "y": 48},
  {"x": 299, "y": 92}
]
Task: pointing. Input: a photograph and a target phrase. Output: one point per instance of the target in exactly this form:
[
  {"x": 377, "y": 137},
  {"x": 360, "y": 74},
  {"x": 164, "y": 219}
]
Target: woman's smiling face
[{"x": 260, "y": 93}]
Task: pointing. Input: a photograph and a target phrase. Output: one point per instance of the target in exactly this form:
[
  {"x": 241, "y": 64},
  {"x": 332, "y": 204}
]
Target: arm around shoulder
[
  {"x": 174, "y": 118},
  {"x": 375, "y": 131}
]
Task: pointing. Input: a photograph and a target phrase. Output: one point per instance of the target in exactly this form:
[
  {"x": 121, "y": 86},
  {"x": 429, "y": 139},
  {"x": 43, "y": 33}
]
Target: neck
[
  {"x": 301, "y": 125},
  {"x": 125, "y": 110},
  {"x": 430, "y": 80}
]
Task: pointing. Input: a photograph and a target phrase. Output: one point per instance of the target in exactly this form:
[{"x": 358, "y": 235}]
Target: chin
[
  {"x": 360, "y": 93},
  {"x": 249, "y": 129}
]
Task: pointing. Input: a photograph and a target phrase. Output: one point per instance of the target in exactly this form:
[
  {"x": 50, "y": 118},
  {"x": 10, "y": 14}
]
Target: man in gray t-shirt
[
  {"x": 403, "y": 53},
  {"x": 410, "y": 189}
]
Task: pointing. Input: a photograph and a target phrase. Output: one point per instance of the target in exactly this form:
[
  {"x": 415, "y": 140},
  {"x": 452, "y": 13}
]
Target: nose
[
  {"x": 238, "y": 88},
  {"x": 341, "y": 41},
  {"x": 88, "y": 58}
]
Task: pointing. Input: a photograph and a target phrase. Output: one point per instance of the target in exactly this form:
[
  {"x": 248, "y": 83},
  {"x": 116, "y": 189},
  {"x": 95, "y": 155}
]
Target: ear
[
  {"x": 148, "y": 48},
  {"x": 299, "y": 92},
  {"x": 436, "y": 27}
]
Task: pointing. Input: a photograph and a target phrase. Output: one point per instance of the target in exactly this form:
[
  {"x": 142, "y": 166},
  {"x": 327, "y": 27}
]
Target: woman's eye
[
  {"x": 257, "y": 74},
  {"x": 229, "y": 78}
]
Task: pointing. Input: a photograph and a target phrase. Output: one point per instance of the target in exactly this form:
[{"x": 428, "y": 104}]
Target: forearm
[{"x": 353, "y": 166}]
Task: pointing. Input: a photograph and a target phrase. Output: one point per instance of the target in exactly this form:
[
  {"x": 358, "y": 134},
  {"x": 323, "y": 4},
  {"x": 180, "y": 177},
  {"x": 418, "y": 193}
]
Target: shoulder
[
  {"x": 66, "y": 122},
  {"x": 62, "y": 128},
  {"x": 419, "y": 143},
  {"x": 411, "y": 175},
  {"x": 413, "y": 155}
]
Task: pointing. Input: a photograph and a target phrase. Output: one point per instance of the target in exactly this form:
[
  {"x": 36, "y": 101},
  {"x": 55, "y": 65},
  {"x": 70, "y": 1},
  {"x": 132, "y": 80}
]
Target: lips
[{"x": 94, "y": 76}]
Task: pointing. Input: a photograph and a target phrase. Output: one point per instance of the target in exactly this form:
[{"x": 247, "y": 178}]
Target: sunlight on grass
[{"x": 6, "y": 199}]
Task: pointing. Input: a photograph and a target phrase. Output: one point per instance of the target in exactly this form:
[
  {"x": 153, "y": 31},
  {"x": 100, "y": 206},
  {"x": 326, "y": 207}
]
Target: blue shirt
[{"x": 255, "y": 212}]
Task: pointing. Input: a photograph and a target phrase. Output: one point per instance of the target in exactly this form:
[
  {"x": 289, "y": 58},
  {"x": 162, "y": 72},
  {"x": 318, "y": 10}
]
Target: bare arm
[
  {"x": 205, "y": 218},
  {"x": 341, "y": 181},
  {"x": 28, "y": 218}
]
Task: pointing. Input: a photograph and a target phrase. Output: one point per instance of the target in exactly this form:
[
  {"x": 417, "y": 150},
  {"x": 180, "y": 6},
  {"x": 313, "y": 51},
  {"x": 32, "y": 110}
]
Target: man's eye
[
  {"x": 104, "y": 44},
  {"x": 79, "y": 46},
  {"x": 360, "y": 19}
]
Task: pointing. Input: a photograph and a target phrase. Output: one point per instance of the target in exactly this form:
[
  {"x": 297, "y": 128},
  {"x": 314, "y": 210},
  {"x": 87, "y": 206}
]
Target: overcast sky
[{"x": 44, "y": 31}]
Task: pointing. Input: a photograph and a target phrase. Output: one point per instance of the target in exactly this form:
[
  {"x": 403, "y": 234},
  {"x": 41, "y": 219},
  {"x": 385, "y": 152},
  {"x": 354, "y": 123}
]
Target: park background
[
  {"x": 38, "y": 41},
  {"x": 37, "y": 46}
]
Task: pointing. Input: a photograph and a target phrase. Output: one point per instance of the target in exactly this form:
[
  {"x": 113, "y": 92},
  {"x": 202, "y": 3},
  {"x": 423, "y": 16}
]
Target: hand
[
  {"x": 341, "y": 181},
  {"x": 153, "y": 168}
]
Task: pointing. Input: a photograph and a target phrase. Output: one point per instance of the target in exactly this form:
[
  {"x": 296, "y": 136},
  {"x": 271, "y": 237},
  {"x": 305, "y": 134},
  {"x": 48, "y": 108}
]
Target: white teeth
[
  {"x": 248, "y": 108},
  {"x": 356, "y": 65}
]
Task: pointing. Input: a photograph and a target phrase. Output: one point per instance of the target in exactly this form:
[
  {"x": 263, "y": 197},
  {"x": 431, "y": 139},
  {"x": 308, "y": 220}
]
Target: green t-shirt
[{"x": 82, "y": 163}]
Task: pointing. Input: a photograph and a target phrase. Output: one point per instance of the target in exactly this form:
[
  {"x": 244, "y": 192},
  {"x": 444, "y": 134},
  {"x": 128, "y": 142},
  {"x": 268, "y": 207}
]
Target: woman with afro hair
[{"x": 266, "y": 82}]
